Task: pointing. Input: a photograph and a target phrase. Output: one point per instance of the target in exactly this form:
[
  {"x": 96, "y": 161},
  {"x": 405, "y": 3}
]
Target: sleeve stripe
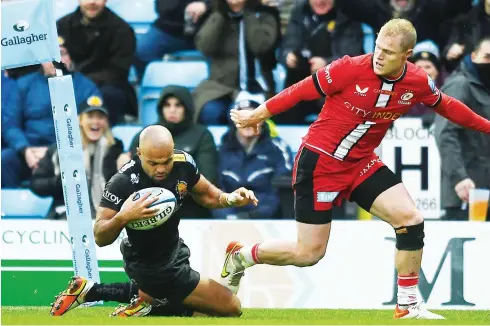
[
  {"x": 317, "y": 83},
  {"x": 437, "y": 102}
]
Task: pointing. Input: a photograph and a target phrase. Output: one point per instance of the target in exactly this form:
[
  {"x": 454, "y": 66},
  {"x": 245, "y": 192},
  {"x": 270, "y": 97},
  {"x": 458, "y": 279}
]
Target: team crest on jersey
[
  {"x": 181, "y": 189},
  {"x": 135, "y": 178}
]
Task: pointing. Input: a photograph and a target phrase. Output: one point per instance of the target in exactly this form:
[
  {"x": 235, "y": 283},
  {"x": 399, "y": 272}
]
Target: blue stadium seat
[
  {"x": 368, "y": 38},
  {"x": 133, "y": 76},
  {"x": 218, "y": 132},
  {"x": 279, "y": 74},
  {"x": 125, "y": 133},
  {"x": 23, "y": 203},
  {"x": 159, "y": 74},
  {"x": 140, "y": 14},
  {"x": 64, "y": 7},
  {"x": 187, "y": 55}
]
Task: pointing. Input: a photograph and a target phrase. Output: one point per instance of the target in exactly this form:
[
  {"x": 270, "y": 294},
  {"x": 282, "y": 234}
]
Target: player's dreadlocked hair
[{"x": 403, "y": 27}]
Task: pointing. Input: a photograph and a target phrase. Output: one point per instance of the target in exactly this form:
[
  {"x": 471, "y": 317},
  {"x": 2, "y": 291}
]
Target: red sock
[
  {"x": 255, "y": 252},
  {"x": 408, "y": 280}
]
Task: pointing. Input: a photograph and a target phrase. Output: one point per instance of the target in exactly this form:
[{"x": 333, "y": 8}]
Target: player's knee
[
  {"x": 410, "y": 237},
  {"x": 233, "y": 308},
  {"x": 408, "y": 216},
  {"x": 310, "y": 255}
]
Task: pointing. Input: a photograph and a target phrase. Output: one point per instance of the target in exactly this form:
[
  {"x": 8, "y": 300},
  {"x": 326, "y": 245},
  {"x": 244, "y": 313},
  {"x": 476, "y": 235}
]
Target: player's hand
[
  {"x": 138, "y": 209},
  {"x": 242, "y": 197},
  {"x": 316, "y": 63},
  {"x": 462, "y": 189},
  {"x": 455, "y": 51},
  {"x": 291, "y": 60},
  {"x": 244, "y": 119}
]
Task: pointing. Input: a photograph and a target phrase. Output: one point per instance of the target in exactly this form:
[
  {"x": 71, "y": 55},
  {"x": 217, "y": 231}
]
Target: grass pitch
[{"x": 100, "y": 316}]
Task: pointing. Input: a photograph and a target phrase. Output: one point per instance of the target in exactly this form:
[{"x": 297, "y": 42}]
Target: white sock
[
  {"x": 248, "y": 255},
  {"x": 407, "y": 291}
]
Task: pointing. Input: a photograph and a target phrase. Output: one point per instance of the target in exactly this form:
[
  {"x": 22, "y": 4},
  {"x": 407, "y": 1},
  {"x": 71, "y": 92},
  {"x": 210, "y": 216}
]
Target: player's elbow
[{"x": 100, "y": 240}]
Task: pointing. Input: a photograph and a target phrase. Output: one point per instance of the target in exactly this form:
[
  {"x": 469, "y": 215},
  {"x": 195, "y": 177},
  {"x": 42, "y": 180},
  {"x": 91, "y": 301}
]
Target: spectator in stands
[
  {"x": 317, "y": 34},
  {"x": 10, "y": 102},
  {"x": 465, "y": 154},
  {"x": 29, "y": 129},
  {"x": 100, "y": 149},
  {"x": 466, "y": 31},
  {"x": 428, "y": 16},
  {"x": 102, "y": 46},
  {"x": 174, "y": 30},
  {"x": 252, "y": 161},
  {"x": 426, "y": 56},
  {"x": 176, "y": 110},
  {"x": 239, "y": 37}
]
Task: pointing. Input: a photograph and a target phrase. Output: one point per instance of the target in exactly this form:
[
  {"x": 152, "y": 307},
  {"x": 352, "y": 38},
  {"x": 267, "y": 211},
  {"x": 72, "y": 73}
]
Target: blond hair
[{"x": 402, "y": 27}]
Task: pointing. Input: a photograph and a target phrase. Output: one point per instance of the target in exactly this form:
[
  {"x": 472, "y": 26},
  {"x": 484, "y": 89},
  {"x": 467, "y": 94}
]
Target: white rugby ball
[{"x": 166, "y": 205}]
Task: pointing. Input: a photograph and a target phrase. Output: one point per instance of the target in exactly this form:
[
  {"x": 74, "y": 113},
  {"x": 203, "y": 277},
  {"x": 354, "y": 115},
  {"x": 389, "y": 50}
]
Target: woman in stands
[{"x": 102, "y": 154}]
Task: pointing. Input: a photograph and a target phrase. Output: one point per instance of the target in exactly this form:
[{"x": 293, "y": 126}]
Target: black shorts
[
  {"x": 170, "y": 282},
  {"x": 321, "y": 182}
]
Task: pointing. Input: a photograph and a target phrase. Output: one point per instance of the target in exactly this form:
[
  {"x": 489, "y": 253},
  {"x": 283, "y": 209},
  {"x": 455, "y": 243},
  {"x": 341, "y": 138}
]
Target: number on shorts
[{"x": 351, "y": 139}]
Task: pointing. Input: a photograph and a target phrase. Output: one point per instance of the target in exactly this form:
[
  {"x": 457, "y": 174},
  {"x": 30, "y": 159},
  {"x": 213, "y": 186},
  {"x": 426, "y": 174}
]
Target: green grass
[{"x": 99, "y": 316}]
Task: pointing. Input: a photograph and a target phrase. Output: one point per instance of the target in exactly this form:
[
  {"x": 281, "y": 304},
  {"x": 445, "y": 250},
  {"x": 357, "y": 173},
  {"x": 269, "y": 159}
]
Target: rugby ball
[{"x": 166, "y": 204}]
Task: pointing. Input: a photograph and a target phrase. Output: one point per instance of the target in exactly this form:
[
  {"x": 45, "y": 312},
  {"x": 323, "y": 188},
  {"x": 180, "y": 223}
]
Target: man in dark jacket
[
  {"x": 252, "y": 161},
  {"x": 465, "y": 154},
  {"x": 176, "y": 110},
  {"x": 173, "y": 30},
  {"x": 102, "y": 47},
  {"x": 317, "y": 34},
  {"x": 467, "y": 30}
]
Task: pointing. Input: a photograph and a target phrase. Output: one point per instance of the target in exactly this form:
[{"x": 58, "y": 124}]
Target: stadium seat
[
  {"x": 159, "y": 74},
  {"x": 126, "y": 133},
  {"x": 140, "y": 14},
  {"x": 64, "y": 7},
  {"x": 133, "y": 76},
  {"x": 23, "y": 203},
  {"x": 186, "y": 55},
  {"x": 217, "y": 132},
  {"x": 279, "y": 74},
  {"x": 368, "y": 38}
]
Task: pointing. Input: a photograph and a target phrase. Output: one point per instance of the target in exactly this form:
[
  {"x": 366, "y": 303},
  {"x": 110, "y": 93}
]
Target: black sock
[{"x": 119, "y": 292}]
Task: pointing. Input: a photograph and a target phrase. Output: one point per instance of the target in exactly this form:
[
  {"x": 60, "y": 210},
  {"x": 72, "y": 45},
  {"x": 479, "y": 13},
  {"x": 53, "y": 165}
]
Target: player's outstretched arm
[
  {"x": 457, "y": 112},
  {"x": 305, "y": 90},
  {"x": 209, "y": 196}
]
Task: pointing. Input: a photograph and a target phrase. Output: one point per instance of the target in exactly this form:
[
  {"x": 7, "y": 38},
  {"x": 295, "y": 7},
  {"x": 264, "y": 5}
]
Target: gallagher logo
[{"x": 21, "y": 26}]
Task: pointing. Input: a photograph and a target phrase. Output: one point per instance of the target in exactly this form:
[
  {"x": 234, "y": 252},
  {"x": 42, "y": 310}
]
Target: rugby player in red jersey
[{"x": 336, "y": 160}]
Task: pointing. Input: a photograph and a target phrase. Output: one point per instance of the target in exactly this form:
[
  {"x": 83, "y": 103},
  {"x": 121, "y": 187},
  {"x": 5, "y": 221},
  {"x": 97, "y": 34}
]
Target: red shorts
[{"x": 321, "y": 181}]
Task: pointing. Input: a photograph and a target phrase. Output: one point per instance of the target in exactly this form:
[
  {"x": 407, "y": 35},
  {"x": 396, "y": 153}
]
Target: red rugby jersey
[{"x": 360, "y": 105}]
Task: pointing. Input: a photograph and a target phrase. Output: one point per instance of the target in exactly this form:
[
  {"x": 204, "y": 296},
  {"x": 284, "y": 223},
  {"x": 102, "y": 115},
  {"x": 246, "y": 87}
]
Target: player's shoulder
[
  {"x": 183, "y": 158},
  {"x": 129, "y": 167},
  {"x": 415, "y": 73},
  {"x": 418, "y": 77},
  {"x": 356, "y": 61}
]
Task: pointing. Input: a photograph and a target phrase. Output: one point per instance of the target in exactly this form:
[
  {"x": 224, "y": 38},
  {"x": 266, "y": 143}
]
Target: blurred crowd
[{"x": 246, "y": 45}]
